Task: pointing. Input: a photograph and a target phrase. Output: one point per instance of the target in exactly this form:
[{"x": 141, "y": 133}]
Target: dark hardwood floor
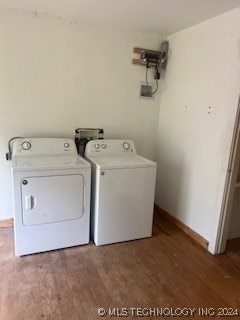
[{"x": 168, "y": 270}]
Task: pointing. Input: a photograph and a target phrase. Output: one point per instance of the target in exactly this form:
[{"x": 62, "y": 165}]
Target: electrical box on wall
[
  {"x": 151, "y": 58},
  {"x": 146, "y": 91}
]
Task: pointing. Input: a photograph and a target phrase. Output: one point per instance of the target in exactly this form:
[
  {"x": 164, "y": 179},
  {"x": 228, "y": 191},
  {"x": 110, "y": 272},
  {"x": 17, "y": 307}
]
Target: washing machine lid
[
  {"x": 121, "y": 161},
  {"x": 54, "y": 162}
]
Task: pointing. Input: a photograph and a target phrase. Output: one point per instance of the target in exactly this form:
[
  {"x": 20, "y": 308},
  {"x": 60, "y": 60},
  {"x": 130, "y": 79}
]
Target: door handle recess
[{"x": 29, "y": 202}]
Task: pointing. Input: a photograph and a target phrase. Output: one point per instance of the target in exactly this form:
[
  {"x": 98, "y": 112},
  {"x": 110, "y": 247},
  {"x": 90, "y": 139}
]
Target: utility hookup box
[{"x": 146, "y": 91}]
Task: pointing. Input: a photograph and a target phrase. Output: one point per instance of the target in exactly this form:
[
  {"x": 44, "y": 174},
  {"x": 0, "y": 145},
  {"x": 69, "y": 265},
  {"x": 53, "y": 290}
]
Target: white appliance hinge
[{"x": 29, "y": 201}]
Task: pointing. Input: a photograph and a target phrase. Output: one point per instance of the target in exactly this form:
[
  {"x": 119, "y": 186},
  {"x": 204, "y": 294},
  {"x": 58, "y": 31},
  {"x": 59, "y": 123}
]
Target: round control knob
[
  {"x": 96, "y": 146},
  {"x": 126, "y": 145},
  {"x": 104, "y": 146},
  {"x": 26, "y": 145},
  {"x": 66, "y": 145}
]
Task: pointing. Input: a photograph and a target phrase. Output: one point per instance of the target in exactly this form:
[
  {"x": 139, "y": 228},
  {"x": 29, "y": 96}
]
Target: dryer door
[{"x": 52, "y": 199}]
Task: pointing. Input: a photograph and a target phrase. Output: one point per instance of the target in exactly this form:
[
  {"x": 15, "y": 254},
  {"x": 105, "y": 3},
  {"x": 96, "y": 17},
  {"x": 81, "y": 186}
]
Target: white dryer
[
  {"x": 51, "y": 195},
  {"x": 123, "y": 186}
]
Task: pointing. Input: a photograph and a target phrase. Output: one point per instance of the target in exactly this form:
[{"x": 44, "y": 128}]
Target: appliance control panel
[
  {"x": 43, "y": 146},
  {"x": 110, "y": 147}
]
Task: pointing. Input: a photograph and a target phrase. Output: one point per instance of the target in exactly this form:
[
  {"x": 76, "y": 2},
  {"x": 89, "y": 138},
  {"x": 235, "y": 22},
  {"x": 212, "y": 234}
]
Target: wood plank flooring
[{"x": 168, "y": 270}]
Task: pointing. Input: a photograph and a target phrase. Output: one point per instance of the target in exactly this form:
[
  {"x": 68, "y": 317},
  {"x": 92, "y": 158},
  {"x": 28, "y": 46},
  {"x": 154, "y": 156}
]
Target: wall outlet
[{"x": 146, "y": 91}]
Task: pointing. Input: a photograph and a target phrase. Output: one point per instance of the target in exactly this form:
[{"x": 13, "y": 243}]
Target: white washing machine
[
  {"x": 51, "y": 194},
  {"x": 123, "y": 186}
]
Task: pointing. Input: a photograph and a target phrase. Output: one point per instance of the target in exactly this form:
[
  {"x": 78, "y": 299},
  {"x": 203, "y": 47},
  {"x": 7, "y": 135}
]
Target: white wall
[
  {"x": 234, "y": 225},
  {"x": 234, "y": 221},
  {"x": 57, "y": 75},
  {"x": 198, "y": 106}
]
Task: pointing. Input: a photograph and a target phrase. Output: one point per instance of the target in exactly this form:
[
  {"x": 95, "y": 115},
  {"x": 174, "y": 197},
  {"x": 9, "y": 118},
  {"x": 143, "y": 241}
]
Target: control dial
[
  {"x": 26, "y": 145},
  {"x": 66, "y": 145},
  {"x": 97, "y": 146},
  {"x": 126, "y": 145},
  {"x": 104, "y": 146}
]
